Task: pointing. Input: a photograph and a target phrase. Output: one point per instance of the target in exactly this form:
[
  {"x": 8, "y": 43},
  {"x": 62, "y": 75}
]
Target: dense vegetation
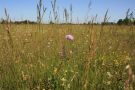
[
  {"x": 43, "y": 59},
  {"x": 36, "y": 56}
]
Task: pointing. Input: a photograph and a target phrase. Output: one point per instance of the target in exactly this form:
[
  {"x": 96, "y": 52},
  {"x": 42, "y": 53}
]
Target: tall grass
[
  {"x": 101, "y": 57},
  {"x": 37, "y": 62}
]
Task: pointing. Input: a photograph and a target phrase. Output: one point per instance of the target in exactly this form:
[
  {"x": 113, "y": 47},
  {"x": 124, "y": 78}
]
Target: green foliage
[
  {"x": 120, "y": 22},
  {"x": 126, "y": 21},
  {"x": 129, "y": 19}
]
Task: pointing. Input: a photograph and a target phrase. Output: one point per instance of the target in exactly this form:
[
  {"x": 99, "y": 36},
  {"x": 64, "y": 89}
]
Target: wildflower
[
  {"x": 128, "y": 66},
  {"x": 109, "y": 74},
  {"x": 66, "y": 71},
  {"x": 68, "y": 86},
  {"x": 63, "y": 80},
  {"x": 24, "y": 76},
  {"x": 48, "y": 43},
  {"x": 69, "y": 37},
  {"x": 70, "y": 52},
  {"x": 55, "y": 70}
]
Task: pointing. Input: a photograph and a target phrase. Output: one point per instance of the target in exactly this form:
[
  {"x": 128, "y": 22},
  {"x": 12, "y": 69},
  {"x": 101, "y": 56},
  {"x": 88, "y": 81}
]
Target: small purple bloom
[{"x": 69, "y": 37}]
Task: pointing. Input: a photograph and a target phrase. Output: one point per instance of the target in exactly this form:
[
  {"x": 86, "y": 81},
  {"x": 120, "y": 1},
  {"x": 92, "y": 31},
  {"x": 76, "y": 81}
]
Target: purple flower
[{"x": 69, "y": 37}]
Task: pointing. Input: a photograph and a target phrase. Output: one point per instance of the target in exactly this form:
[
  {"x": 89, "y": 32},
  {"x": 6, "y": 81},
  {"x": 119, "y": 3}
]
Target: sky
[{"x": 26, "y": 9}]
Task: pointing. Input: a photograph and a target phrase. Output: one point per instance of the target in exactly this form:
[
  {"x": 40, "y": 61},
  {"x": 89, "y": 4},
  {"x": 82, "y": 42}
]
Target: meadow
[{"x": 101, "y": 57}]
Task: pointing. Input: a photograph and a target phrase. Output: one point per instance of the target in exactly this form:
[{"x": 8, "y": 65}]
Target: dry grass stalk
[
  {"x": 130, "y": 80},
  {"x": 7, "y": 27},
  {"x": 106, "y": 18},
  {"x": 91, "y": 56},
  {"x": 66, "y": 15},
  {"x": 40, "y": 11},
  {"x": 71, "y": 12},
  {"x": 53, "y": 3}
]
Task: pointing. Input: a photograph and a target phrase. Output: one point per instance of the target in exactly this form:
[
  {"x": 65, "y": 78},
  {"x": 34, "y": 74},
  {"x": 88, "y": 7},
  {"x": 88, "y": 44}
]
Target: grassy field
[{"x": 99, "y": 57}]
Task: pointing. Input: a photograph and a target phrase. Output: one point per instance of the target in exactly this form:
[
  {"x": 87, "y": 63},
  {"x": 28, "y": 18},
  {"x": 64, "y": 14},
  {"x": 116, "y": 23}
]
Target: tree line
[{"x": 128, "y": 20}]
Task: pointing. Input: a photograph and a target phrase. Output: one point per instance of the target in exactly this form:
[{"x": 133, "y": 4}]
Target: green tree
[{"x": 120, "y": 21}]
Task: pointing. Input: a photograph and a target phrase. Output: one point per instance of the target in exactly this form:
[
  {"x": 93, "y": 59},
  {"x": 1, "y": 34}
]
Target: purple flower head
[{"x": 69, "y": 37}]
